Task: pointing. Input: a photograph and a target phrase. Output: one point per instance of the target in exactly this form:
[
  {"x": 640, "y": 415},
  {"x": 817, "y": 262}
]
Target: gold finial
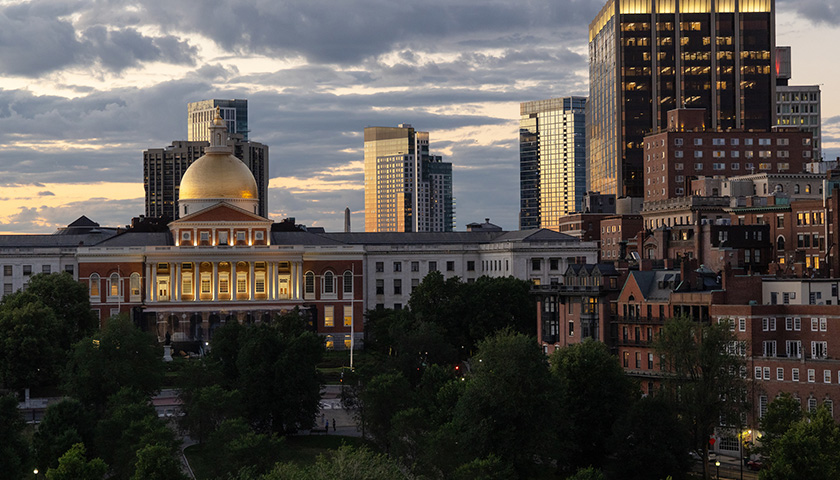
[{"x": 218, "y": 120}]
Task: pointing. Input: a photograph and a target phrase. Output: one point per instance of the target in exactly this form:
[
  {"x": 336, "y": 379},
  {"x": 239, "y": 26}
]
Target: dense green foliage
[
  {"x": 14, "y": 450},
  {"x": 74, "y": 465},
  {"x": 808, "y": 449},
  {"x": 118, "y": 356},
  {"x": 705, "y": 380},
  {"x": 65, "y": 424}
]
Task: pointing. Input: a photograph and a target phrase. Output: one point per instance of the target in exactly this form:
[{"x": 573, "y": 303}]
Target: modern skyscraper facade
[
  {"x": 647, "y": 57},
  {"x": 797, "y": 105},
  {"x": 406, "y": 189},
  {"x": 164, "y": 167},
  {"x": 552, "y": 160},
  {"x": 200, "y": 116}
]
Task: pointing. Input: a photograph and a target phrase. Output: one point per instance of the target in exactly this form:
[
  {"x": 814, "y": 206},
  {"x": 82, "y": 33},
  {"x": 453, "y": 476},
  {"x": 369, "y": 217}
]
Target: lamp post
[{"x": 717, "y": 464}]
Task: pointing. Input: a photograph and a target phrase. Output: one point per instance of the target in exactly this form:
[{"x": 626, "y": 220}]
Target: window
[
  {"x": 309, "y": 283},
  {"x": 240, "y": 237},
  {"x": 698, "y": 166},
  {"x": 793, "y": 348},
  {"x": 678, "y": 166},
  {"x": 7, "y": 270},
  {"x": 450, "y": 266},
  {"x": 815, "y": 324},
  {"x": 224, "y": 284},
  {"x": 797, "y": 322},
  {"x": 758, "y": 373},
  {"x": 380, "y": 267},
  {"x": 27, "y": 269},
  {"x": 397, "y": 286},
  {"x": 742, "y": 324},
  {"x": 819, "y": 349},
  {"x": 432, "y": 266},
  {"x": 698, "y": 141},
  {"x": 205, "y": 283},
  {"x": 536, "y": 264},
  {"x": 380, "y": 286},
  {"x": 769, "y": 348},
  {"x": 45, "y": 269},
  {"x": 348, "y": 316},
  {"x": 204, "y": 237},
  {"x": 241, "y": 282},
  {"x": 812, "y": 375},
  {"x": 678, "y": 154},
  {"x": 762, "y": 406},
  {"x": 718, "y": 141},
  {"x": 134, "y": 286},
  {"x": 638, "y": 360},
  {"x": 780, "y": 374},
  {"x": 223, "y": 238},
  {"x": 678, "y": 141},
  {"x": 329, "y": 316},
  {"x": 328, "y": 286},
  {"x": 94, "y": 286},
  {"x": 823, "y": 324},
  {"x": 186, "y": 284},
  {"x": 826, "y": 376},
  {"x": 114, "y": 285},
  {"x": 398, "y": 266},
  {"x": 470, "y": 265},
  {"x": 766, "y": 373},
  {"x": 347, "y": 283},
  {"x": 7, "y": 289},
  {"x": 698, "y": 154},
  {"x": 794, "y": 374},
  {"x": 259, "y": 282}
]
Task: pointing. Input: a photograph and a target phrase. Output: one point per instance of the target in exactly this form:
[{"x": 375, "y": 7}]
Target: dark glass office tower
[
  {"x": 650, "y": 56},
  {"x": 552, "y": 160}
]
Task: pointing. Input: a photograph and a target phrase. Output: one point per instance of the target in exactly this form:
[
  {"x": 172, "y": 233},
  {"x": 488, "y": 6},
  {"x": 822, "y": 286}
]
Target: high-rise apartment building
[
  {"x": 651, "y": 56},
  {"x": 201, "y": 114},
  {"x": 164, "y": 167},
  {"x": 797, "y": 105},
  {"x": 406, "y": 189},
  {"x": 552, "y": 160}
]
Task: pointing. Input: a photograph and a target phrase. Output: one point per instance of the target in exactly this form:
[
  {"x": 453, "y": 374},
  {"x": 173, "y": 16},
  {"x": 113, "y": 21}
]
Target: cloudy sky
[{"x": 87, "y": 85}]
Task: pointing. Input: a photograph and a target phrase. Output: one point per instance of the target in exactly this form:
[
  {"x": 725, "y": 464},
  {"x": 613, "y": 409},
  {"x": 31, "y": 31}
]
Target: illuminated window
[
  {"x": 224, "y": 284},
  {"x": 94, "y": 285},
  {"x": 114, "y": 285},
  {"x": 329, "y": 316},
  {"x": 348, "y": 315},
  {"x": 205, "y": 283},
  {"x": 241, "y": 282},
  {"x": 186, "y": 284},
  {"x": 259, "y": 282},
  {"x": 134, "y": 284}
]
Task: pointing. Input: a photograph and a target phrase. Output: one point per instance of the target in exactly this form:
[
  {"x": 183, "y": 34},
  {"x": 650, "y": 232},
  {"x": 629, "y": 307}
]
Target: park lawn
[{"x": 298, "y": 449}]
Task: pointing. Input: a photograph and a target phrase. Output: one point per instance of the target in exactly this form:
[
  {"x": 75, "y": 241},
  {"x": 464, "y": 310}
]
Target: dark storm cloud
[
  {"x": 36, "y": 39},
  {"x": 345, "y": 32},
  {"x": 817, "y": 11}
]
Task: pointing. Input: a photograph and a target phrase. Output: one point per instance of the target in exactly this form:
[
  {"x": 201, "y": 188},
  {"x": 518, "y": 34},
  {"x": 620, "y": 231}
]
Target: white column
[
  {"x": 271, "y": 280},
  {"x": 215, "y": 287},
  {"x": 154, "y": 283},
  {"x": 232, "y": 286},
  {"x": 148, "y": 281},
  {"x": 251, "y": 280},
  {"x": 176, "y": 283}
]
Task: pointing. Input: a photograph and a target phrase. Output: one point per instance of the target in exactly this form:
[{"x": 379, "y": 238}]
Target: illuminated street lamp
[{"x": 717, "y": 464}]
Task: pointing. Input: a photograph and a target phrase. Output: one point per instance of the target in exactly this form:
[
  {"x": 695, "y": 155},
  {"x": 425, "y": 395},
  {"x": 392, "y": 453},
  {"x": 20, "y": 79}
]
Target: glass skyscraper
[
  {"x": 201, "y": 114},
  {"x": 406, "y": 188},
  {"x": 552, "y": 160},
  {"x": 647, "y": 57}
]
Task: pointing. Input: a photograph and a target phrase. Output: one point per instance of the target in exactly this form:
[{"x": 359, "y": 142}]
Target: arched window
[
  {"x": 780, "y": 244},
  {"x": 135, "y": 284},
  {"x": 807, "y": 188},
  {"x": 796, "y": 188},
  {"x": 348, "y": 282},
  {"x": 309, "y": 283},
  {"x": 94, "y": 285},
  {"x": 329, "y": 283},
  {"x": 114, "y": 285}
]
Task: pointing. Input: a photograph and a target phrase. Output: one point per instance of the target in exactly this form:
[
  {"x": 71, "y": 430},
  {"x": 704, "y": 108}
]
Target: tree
[
  {"x": 129, "y": 424},
  {"x": 346, "y": 463},
  {"x": 156, "y": 462},
  {"x": 277, "y": 376},
  {"x": 782, "y": 413},
  {"x": 205, "y": 408},
  {"x": 64, "y": 424},
  {"x": 119, "y": 356},
  {"x": 30, "y": 351},
  {"x": 15, "y": 455},
  {"x": 69, "y": 301},
  {"x": 649, "y": 442},
  {"x": 705, "y": 379},
  {"x": 594, "y": 392},
  {"x": 510, "y": 387},
  {"x": 236, "y": 446},
  {"x": 589, "y": 473},
  {"x": 73, "y": 465},
  {"x": 383, "y": 397},
  {"x": 490, "y": 468},
  {"x": 809, "y": 449}
]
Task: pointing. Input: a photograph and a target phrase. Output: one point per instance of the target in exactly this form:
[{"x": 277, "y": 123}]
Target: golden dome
[{"x": 218, "y": 175}]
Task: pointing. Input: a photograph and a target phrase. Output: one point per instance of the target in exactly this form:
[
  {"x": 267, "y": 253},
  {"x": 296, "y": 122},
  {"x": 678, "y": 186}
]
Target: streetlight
[{"x": 717, "y": 464}]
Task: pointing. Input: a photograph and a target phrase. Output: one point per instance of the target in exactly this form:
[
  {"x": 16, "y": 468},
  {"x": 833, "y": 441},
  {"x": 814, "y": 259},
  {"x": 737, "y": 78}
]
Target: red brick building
[
  {"x": 618, "y": 236},
  {"x": 687, "y": 149}
]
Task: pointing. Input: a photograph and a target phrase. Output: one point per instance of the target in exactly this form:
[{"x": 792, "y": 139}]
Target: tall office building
[
  {"x": 797, "y": 105},
  {"x": 201, "y": 114},
  {"x": 647, "y": 57},
  {"x": 406, "y": 189},
  {"x": 164, "y": 167},
  {"x": 552, "y": 160}
]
